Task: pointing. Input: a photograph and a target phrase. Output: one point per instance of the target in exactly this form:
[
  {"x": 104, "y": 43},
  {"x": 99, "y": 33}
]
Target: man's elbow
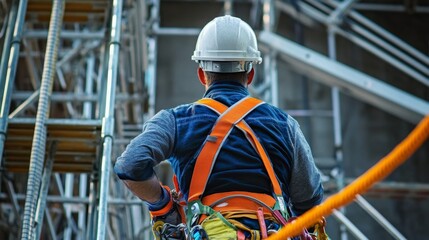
[
  {"x": 128, "y": 170},
  {"x": 317, "y": 197},
  {"x": 118, "y": 168}
]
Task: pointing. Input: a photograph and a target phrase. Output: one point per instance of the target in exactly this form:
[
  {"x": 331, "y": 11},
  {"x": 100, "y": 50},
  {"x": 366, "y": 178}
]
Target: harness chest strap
[{"x": 229, "y": 117}]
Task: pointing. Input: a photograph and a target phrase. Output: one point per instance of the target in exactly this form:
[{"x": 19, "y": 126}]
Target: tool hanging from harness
[{"x": 217, "y": 216}]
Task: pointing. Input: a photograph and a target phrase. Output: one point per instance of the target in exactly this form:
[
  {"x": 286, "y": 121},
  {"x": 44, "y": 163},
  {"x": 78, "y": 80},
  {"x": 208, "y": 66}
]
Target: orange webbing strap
[
  {"x": 265, "y": 159},
  {"x": 233, "y": 200},
  {"x": 250, "y": 135},
  {"x": 214, "y": 142},
  {"x": 222, "y": 109}
]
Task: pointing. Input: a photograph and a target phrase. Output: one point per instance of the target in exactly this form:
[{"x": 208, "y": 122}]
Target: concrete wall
[{"x": 368, "y": 133}]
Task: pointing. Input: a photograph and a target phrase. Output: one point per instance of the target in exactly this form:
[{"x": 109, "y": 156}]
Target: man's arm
[
  {"x": 153, "y": 145},
  {"x": 305, "y": 186},
  {"x": 148, "y": 190}
]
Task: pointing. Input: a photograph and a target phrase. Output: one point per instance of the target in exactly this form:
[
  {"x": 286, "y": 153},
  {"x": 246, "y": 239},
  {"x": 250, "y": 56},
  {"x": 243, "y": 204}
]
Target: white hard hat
[{"x": 226, "y": 44}]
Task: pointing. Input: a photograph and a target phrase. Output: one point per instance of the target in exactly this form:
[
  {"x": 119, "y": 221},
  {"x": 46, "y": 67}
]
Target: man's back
[{"x": 238, "y": 166}]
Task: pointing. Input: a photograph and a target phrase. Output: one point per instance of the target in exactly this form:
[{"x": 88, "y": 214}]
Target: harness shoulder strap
[
  {"x": 220, "y": 131},
  {"x": 228, "y": 118}
]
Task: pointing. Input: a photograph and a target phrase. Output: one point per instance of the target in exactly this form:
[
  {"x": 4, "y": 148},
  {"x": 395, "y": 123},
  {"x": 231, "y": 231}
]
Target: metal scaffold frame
[
  {"x": 39, "y": 138},
  {"x": 415, "y": 105},
  {"x": 79, "y": 138},
  {"x": 8, "y": 67},
  {"x": 108, "y": 117},
  {"x": 413, "y": 64},
  {"x": 94, "y": 96}
]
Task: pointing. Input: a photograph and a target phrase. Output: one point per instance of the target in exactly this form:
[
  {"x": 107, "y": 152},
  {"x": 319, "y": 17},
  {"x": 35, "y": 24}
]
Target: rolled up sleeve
[{"x": 149, "y": 148}]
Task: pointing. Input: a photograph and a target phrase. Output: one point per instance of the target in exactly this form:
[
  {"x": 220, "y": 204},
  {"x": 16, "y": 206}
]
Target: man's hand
[{"x": 167, "y": 217}]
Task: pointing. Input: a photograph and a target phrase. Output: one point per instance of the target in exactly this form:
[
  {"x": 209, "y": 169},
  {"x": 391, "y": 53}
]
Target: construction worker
[{"x": 243, "y": 166}]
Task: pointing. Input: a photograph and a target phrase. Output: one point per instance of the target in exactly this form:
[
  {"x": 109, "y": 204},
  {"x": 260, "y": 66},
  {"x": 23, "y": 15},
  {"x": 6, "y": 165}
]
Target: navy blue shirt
[{"x": 178, "y": 135}]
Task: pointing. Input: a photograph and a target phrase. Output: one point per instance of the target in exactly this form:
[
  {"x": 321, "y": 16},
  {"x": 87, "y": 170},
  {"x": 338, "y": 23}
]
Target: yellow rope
[{"x": 379, "y": 171}]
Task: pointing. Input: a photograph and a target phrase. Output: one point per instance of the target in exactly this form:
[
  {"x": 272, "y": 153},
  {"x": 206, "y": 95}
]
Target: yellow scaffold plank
[
  {"x": 75, "y": 11},
  {"x": 76, "y": 146}
]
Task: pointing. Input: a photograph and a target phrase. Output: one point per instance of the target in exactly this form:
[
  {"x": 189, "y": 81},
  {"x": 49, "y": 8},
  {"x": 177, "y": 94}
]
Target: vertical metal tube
[
  {"x": 152, "y": 61},
  {"x": 270, "y": 62},
  {"x": 101, "y": 80},
  {"x": 108, "y": 119},
  {"x": 83, "y": 181},
  {"x": 274, "y": 79},
  {"x": 41, "y": 201},
  {"x": 89, "y": 85},
  {"x": 68, "y": 193},
  {"x": 134, "y": 54},
  {"x": 6, "y": 44},
  {"x": 39, "y": 137},
  {"x": 90, "y": 234},
  {"x": 266, "y": 78},
  {"x": 267, "y": 26},
  {"x": 268, "y": 15},
  {"x": 335, "y": 94},
  {"x": 94, "y": 182},
  {"x": 8, "y": 68},
  {"x": 255, "y": 13},
  {"x": 59, "y": 182},
  {"x": 87, "y": 113},
  {"x": 228, "y": 7},
  {"x": 141, "y": 13},
  {"x": 151, "y": 75}
]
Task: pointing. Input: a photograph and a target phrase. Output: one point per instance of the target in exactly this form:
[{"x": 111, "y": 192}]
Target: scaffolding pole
[
  {"x": 39, "y": 137},
  {"x": 41, "y": 201},
  {"x": 379, "y": 218},
  {"x": 338, "y": 142},
  {"x": 269, "y": 87},
  {"x": 108, "y": 117},
  {"x": 8, "y": 68},
  {"x": 150, "y": 74},
  {"x": 349, "y": 225},
  {"x": 6, "y": 44}
]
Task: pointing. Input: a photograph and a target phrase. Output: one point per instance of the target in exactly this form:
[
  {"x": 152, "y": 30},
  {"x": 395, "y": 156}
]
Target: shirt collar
[{"x": 226, "y": 88}]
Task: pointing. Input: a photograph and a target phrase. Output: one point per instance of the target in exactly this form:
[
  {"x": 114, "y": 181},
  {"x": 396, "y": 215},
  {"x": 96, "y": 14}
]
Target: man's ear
[
  {"x": 201, "y": 76},
  {"x": 250, "y": 76}
]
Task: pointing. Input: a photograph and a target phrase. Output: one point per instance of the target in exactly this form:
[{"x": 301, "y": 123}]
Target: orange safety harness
[
  {"x": 237, "y": 200},
  {"x": 227, "y": 207}
]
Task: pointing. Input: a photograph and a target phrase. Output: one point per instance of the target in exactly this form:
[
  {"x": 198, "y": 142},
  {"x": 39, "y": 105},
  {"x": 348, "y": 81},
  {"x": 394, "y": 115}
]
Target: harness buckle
[{"x": 282, "y": 204}]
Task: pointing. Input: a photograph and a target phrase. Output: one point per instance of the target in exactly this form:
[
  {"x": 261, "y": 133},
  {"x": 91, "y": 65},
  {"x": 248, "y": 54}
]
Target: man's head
[{"x": 226, "y": 49}]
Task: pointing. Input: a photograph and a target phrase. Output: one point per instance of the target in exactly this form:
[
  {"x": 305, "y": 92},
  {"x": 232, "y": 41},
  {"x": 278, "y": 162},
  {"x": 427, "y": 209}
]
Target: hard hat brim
[{"x": 226, "y": 56}]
